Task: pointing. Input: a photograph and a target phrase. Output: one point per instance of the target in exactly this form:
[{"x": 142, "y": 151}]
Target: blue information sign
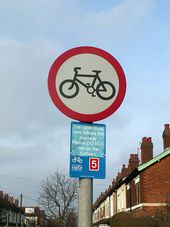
[{"x": 87, "y": 150}]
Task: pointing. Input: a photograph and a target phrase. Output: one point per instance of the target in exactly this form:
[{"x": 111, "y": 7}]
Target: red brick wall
[
  {"x": 148, "y": 211},
  {"x": 155, "y": 182},
  {"x": 131, "y": 195},
  {"x": 155, "y": 187}
]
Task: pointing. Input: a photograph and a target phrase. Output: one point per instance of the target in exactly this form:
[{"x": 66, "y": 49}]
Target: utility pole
[
  {"x": 20, "y": 210},
  {"x": 85, "y": 202}
]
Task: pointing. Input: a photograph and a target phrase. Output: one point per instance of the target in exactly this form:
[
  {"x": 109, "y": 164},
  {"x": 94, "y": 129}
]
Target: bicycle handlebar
[{"x": 76, "y": 68}]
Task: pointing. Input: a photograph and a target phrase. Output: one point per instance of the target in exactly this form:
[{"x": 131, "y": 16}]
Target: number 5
[{"x": 94, "y": 164}]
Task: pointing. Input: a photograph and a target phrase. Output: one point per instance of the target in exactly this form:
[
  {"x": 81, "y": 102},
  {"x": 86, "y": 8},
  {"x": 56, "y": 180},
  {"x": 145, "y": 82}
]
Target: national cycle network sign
[{"x": 87, "y": 150}]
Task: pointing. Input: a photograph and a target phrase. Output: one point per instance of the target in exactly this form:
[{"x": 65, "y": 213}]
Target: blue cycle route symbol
[
  {"x": 76, "y": 164},
  {"x": 69, "y": 88}
]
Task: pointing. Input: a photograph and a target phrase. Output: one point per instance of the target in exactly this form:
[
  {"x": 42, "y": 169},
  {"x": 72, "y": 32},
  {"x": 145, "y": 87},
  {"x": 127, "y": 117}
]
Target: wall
[
  {"x": 155, "y": 182},
  {"x": 113, "y": 204},
  {"x": 121, "y": 198},
  {"x": 155, "y": 188}
]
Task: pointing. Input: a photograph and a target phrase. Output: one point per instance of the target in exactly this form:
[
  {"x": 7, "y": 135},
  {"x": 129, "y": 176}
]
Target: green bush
[{"x": 127, "y": 220}]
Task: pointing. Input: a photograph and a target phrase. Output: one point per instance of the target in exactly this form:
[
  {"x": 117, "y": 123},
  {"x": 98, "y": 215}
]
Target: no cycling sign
[{"x": 87, "y": 84}]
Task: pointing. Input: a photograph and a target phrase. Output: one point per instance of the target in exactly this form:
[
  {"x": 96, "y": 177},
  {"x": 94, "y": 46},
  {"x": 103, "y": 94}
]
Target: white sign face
[
  {"x": 87, "y": 94},
  {"x": 88, "y": 150},
  {"x": 103, "y": 225},
  {"x": 87, "y": 84},
  {"x": 29, "y": 210}
]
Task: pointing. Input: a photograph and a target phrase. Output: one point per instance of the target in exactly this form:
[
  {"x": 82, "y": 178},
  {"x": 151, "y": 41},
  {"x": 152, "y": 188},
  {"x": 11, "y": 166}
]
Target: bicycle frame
[
  {"x": 95, "y": 76},
  {"x": 98, "y": 90}
]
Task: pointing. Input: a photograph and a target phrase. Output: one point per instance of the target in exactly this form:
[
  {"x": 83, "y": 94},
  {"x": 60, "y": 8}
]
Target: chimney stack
[
  {"x": 110, "y": 188},
  {"x": 113, "y": 182},
  {"x": 133, "y": 162},
  {"x": 119, "y": 177},
  {"x": 1, "y": 194},
  {"x": 11, "y": 199},
  {"x": 146, "y": 149},
  {"x": 166, "y": 136},
  {"x": 124, "y": 171},
  {"x": 6, "y": 197}
]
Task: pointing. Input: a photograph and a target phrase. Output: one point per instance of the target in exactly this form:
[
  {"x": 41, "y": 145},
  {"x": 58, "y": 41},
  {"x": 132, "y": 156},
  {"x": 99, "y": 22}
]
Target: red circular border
[{"x": 75, "y": 115}]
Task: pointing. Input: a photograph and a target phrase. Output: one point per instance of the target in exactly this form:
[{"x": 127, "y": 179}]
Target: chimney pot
[
  {"x": 166, "y": 126},
  {"x": 149, "y": 140},
  {"x": 132, "y": 155},
  {"x": 144, "y": 140}
]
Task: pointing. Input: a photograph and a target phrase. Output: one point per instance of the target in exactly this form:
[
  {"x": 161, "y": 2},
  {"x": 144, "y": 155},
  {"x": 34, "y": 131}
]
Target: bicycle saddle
[{"x": 96, "y": 71}]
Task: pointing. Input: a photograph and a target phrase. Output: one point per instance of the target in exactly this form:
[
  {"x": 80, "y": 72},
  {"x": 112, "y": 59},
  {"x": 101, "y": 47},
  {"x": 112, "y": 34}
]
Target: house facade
[
  {"x": 10, "y": 212},
  {"x": 34, "y": 217},
  {"x": 142, "y": 188}
]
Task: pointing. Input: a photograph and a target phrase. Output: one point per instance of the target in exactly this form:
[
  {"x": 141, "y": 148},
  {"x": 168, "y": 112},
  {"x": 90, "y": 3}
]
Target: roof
[
  {"x": 145, "y": 165},
  {"x": 136, "y": 171},
  {"x": 155, "y": 159},
  {"x": 5, "y": 204}
]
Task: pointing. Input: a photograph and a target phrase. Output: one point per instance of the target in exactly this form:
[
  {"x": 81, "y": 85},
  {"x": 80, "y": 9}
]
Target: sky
[{"x": 34, "y": 134}]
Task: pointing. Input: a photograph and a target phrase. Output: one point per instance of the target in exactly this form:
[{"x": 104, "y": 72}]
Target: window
[
  {"x": 138, "y": 193},
  {"x": 137, "y": 189},
  {"x": 122, "y": 199}
]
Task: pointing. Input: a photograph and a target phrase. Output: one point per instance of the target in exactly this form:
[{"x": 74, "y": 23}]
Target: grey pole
[{"x": 85, "y": 202}]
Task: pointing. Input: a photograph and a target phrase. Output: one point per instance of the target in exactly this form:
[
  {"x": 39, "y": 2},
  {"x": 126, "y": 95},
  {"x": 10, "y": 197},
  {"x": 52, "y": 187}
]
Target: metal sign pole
[{"x": 85, "y": 202}]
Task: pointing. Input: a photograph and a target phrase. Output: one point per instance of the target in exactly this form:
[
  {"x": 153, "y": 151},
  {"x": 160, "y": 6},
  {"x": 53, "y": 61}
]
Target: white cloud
[
  {"x": 31, "y": 127},
  {"x": 113, "y": 25},
  {"x": 73, "y": 25}
]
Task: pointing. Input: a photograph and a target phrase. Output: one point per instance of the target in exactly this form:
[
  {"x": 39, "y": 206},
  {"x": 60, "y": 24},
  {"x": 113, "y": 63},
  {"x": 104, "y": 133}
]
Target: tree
[{"x": 58, "y": 196}]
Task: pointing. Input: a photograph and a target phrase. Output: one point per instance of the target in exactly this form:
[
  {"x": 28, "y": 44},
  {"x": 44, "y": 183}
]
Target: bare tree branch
[{"x": 58, "y": 196}]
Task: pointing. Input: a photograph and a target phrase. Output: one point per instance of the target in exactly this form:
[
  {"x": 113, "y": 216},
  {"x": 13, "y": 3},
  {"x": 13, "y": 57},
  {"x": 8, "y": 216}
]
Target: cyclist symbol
[
  {"x": 77, "y": 159},
  {"x": 104, "y": 89}
]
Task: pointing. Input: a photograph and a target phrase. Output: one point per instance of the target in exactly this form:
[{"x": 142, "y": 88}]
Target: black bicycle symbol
[{"x": 70, "y": 88}]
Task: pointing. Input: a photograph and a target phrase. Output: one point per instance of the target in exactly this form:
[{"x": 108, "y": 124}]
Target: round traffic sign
[{"x": 87, "y": 83}]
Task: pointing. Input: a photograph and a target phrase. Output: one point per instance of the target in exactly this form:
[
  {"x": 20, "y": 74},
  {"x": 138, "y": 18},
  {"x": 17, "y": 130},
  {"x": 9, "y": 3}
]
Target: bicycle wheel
[
  {"x": 105, "y": 90},
  {"x": 68, "y": 89}
]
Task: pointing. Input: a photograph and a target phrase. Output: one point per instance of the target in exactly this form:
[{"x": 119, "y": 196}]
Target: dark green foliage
[{"x": 127, "y": 220}]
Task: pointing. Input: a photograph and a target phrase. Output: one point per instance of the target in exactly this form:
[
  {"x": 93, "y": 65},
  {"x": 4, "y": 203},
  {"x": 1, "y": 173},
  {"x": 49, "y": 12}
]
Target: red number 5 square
[{"x": 94, "y": 164}]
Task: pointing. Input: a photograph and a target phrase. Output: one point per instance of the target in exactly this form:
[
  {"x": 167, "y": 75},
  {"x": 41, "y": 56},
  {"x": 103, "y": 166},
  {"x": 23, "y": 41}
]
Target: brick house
[
  {"x": 34, "y": 216},
  {"x": 10, "y": 212},
  {"x": 140, "y": 189}
]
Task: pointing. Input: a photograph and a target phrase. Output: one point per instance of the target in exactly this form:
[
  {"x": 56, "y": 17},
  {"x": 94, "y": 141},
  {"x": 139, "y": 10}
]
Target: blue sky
[{"x": 34, "y": 135}]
